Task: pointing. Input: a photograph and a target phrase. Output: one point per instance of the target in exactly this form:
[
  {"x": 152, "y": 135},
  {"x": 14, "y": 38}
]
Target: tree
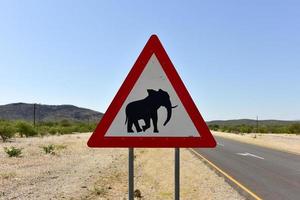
[
  {"x": 26, "y": 129},
  {"x": 294, "y": 128},
  {"x": 7, "y": 131}
]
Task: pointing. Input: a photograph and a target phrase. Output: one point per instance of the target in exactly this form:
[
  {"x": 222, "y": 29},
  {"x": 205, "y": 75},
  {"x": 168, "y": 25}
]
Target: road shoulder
[{"x": 289, "y": 143}]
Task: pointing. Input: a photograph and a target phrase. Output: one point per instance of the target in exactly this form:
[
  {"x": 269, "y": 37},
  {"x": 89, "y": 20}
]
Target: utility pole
[
  {"x": 34, "y": 111},
  {"x": 256, "y": 124}
]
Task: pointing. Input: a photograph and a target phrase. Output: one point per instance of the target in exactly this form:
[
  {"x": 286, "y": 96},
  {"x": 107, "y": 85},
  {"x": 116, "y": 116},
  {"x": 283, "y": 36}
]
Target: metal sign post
[
  {"x": 131, "y": 174},
  {"x": 152, "y": 82},
  {"x": 177, "y": 174}
]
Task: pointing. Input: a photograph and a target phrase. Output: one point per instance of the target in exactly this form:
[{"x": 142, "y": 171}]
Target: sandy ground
[
  {"x": 284, "y": 142},
  {"x": 78, "y": 172}
]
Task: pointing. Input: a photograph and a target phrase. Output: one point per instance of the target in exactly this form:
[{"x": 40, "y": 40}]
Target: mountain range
[{"x": 25, "y": 111}]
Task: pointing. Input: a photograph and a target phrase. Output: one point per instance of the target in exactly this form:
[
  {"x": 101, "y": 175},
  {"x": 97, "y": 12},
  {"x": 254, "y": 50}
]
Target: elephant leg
[
  {"x": 137, "y": 126},
  {"x": 129, "y": 126},
  {"x": 147, "y": 124},
  {"x": 154, "y": 120}
]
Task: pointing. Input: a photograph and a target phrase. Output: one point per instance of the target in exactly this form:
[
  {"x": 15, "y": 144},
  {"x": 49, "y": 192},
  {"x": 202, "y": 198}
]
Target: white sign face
[{"x": 151, "y": 95}]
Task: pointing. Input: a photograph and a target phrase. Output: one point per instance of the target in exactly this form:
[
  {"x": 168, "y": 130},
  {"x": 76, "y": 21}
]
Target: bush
[
  {"x": 245, "y": 129},
  {"x": 53, "y": 131},
  {"x": 294, "y": 128},
  {"x": 47, "y": 123},
  {"x": 42, "y": 130},
  {"x": 65, "y": 123},
  {"x": 26, "y": 129},
  {"x": 65, "y": 130},
  {"x": 214, "y": 127},
  {"x": 13, "y": 151},
  {"x": 262, "y": 129},
  {"x": 7, "y": 131},
  {"x": 49, "y": 149}
]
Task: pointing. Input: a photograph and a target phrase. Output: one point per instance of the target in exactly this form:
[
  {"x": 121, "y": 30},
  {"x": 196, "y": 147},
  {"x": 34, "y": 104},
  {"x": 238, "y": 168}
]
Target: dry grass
[
  {"x": 69, "y": 173},
  {"x": 78, "y": 172},
  {"x": 155, "y": 177}
]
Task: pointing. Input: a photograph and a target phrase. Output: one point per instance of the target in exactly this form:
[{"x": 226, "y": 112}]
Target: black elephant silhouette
[{"x": 146, "y": 109}]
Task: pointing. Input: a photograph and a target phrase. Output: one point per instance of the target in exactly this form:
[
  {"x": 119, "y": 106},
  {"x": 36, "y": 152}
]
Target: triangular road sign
[{"x": 152, "y": 108}]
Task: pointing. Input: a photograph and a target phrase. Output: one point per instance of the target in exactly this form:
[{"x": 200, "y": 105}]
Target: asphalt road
[{"x": 268, "y": 173}]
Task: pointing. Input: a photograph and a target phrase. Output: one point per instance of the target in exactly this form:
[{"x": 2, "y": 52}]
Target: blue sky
[{"x": 238, "y": 59}]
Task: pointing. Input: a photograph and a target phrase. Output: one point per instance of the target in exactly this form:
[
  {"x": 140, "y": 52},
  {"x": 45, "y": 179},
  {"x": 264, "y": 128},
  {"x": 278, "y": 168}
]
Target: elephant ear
[{"x": 151, "y": 92}]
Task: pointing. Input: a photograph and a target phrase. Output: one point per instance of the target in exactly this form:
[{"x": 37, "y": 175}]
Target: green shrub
[
  {"x": 294, "y": 128},
  {"x": 262, "y": 129},
  {"x": 53, "y": 130},
  {"x": 65, "y": 123},
  {"x": 49, "y": 149},
  {"x": 65, "y": 130},
  {"x": 13, "y": 151},
  {"x": 42, "y": 130},
  {"x": 214, "y": 127},
  {"x": 26, "y": 129},
  {"x": 7, "y": 131},
  {"x": 47, "y": 123},
  {"x": 244, "y": 128}
]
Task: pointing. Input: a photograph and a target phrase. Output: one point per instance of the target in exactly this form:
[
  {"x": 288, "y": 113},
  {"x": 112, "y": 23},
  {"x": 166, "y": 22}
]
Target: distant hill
[
  {"x": 250, "y": 122},
  {"x": 24, "y": 111}
]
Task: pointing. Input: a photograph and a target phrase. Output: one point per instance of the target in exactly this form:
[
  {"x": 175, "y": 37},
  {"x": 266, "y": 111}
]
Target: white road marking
[
  {"x": 249, "y": 154},
  {"x": 220, "y": 144}
]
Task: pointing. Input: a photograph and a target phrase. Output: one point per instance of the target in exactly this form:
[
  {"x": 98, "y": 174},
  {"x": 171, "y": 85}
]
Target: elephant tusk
[{"x": 174, "y": 106}]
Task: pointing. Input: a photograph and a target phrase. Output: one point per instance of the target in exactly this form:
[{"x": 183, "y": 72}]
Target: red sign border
[{"x": 153, "y": 46}]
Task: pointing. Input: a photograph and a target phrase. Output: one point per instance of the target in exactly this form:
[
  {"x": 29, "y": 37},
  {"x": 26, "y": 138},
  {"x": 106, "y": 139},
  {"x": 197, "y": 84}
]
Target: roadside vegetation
[
  {"x": 52, "y": 148},
  {"x": 13, "y": 151},
  {"x": 11, "y": 129},
  {"x": 270, "y": 128}
]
